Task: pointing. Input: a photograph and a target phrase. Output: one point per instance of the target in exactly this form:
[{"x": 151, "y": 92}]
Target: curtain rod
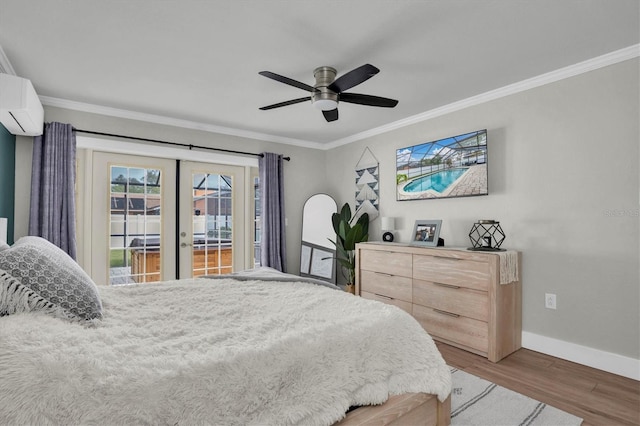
[{"x": 190, "y": 146}]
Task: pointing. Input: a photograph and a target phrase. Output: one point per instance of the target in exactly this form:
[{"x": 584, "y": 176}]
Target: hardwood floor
[{"x": 598, "y": 397}]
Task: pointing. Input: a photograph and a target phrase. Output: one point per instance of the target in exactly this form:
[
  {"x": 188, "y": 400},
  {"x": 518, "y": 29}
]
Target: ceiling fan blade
[
  {"x": 287, "y": 80},
  {"x": 331, "y": 115},
  {"x": 353, "y": 78},
  {"x": 357, "y": 98},
  {"x": 285, "y": 103}
]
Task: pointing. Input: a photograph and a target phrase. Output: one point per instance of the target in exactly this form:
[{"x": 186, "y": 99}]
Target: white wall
[{"x": 564, "y": 183}]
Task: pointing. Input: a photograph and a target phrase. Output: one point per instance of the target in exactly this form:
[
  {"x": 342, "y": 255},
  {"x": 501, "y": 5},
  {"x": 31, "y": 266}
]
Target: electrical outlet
[{"x": 550, "y": 301}]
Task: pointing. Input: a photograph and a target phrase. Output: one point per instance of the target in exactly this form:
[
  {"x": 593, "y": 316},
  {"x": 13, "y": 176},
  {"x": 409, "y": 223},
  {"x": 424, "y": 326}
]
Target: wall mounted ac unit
[{"x": 20, "y": 109}]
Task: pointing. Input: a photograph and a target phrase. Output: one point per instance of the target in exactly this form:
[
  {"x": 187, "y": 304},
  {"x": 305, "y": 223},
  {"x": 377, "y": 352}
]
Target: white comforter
[{"x": 218, "y": 352}]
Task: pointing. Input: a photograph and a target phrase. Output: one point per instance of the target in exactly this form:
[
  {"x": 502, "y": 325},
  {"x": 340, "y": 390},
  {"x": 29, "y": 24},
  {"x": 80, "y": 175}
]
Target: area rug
[{"x": 475, "y": 401}]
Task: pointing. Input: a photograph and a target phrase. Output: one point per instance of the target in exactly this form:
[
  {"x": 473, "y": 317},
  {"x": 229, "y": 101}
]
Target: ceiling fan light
[{"x": 325, "y": 104}]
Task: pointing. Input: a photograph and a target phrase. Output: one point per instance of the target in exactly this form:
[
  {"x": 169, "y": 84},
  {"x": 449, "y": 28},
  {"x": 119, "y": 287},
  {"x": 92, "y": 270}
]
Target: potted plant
[{"x": 348, "y": 234}]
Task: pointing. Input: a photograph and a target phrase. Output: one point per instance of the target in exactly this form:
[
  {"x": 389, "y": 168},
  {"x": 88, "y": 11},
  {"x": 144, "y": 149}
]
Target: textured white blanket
[{"x": 218, "y": 352}]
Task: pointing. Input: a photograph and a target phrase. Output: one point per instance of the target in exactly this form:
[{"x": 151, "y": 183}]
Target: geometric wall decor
[{"x": 367, "y": 185}]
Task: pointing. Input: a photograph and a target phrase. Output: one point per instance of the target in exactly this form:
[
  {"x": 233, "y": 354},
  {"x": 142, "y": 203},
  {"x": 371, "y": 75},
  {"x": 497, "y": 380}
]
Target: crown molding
[
  {"x": 531, "y": 83},
  {"x": 175, "y": 122},
  {"x": 5, "y": 65}
]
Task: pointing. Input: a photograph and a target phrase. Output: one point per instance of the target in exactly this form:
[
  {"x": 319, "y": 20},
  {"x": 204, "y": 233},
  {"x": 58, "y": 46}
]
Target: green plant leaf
[
  {"x": 335, "y": 220},
  {"x": 345, "y": 213},
  {"x": 343, "y": 230},
  {"x": 364, "y": 222},
  {"x": 341, "y": 252},
  {"x": 345, "y": 263},
  {"x": 349, "y": 241},
  {"x": 348, "y": 234}
]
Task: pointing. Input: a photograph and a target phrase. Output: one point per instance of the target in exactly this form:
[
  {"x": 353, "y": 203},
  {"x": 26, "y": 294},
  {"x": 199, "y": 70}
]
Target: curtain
[
  {"x": 52, "y": 214},
  {"x": 272, "y": 248}
]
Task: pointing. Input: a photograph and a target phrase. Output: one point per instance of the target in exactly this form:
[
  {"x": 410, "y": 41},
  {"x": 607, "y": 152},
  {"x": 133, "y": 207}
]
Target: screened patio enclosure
[
  {"x": 457, "y": 151},
  {"x": 135, "y": 239}
]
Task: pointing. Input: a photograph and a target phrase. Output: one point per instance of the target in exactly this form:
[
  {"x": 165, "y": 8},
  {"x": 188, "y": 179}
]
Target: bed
[{"x": 252, "y": 348}]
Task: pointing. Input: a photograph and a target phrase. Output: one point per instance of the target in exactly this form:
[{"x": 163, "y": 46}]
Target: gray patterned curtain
[
  {"x": 272, "y": 246},
  {"x": 53, "y": 175}
]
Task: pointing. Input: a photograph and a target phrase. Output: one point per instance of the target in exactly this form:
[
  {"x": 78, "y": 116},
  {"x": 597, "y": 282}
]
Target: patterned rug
[{"x": 478, "y": 402}]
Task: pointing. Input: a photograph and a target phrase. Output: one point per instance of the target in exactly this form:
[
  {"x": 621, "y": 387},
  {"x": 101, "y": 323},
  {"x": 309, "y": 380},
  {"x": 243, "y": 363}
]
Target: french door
[
  {"x": 147, "y": 227},
  {"x": 211, "y": 219}
]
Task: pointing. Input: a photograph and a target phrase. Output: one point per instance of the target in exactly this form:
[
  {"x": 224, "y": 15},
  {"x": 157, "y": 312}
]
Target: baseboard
[{"x": 606, "y": 361}]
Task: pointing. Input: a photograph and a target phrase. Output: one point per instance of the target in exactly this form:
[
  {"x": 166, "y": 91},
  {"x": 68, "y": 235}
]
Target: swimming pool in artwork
[{"x": 438, "y": 181}]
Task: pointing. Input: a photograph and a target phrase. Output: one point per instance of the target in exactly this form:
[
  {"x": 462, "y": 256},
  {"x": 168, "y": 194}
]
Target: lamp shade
[
  {"x": 387, "y": 223},
  {"x": 325, "y": 104}
]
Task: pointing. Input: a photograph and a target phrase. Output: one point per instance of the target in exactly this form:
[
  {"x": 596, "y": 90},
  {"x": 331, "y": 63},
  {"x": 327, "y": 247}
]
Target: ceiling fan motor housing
[{"x": 323, "y": 98}]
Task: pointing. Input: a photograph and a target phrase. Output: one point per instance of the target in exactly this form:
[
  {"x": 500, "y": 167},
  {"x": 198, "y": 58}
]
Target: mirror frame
[{"x": 316, "y": 260}]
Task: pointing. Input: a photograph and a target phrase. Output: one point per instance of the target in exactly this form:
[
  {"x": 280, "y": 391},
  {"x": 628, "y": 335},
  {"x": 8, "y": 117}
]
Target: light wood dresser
[{"x": 455, "y": 294}]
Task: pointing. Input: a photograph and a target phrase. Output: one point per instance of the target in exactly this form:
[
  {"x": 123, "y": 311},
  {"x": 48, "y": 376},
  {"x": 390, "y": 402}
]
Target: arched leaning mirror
[{"x": 317, "y": 253}]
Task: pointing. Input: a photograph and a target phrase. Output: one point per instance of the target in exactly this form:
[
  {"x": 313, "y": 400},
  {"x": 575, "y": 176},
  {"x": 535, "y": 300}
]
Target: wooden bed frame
[{"x": 407, "y": 409}]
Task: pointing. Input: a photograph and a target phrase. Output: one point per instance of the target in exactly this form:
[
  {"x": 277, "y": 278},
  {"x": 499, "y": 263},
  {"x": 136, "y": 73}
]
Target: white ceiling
[{"x": 199, "y": 60}]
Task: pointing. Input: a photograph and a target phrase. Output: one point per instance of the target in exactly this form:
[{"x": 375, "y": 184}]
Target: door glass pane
[
  {"x": 212, "y": 224},
  {"x": 134, "y": 223}
]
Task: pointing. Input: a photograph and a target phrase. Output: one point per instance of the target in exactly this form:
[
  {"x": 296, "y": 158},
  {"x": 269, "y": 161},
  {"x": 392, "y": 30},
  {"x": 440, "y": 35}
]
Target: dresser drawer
[
  {"x": 391, "y": 286},
  {"x": 386, "y": 262},
  {"x": 457, "y": 329},
  {"x": 406, "y": 306},
  {"x": 455, "y": 294},
  {"x": 454, "y": 299},
  {"x": 449, "y": 270}
]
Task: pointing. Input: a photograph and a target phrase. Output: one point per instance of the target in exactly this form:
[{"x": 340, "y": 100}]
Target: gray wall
[
  {"x": 563, "y": 181},
  {"x": 304, "y": 174}
]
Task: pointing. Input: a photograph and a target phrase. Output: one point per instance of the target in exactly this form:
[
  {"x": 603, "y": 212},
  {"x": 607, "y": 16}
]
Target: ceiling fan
[{"x": 328, "y": 90}]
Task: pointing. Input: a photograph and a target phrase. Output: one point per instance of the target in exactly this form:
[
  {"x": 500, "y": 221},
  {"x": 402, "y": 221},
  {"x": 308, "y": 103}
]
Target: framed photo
[{"x": 426, "y": 233}]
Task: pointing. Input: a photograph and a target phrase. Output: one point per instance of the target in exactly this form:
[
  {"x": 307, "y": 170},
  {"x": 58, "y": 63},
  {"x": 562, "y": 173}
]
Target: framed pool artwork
[{"x": 451, "y": 167}]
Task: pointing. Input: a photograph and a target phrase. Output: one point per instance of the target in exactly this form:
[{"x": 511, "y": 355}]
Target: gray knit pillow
[{"x": 37, "y": 275}]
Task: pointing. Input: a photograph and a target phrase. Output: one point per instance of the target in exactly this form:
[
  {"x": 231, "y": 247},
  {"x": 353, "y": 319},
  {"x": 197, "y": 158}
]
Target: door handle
[{"x": 183, "y": 245}]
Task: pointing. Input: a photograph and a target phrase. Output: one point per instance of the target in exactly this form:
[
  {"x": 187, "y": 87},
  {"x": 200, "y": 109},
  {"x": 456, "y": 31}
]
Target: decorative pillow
[{"x": 37, "y": 275}]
